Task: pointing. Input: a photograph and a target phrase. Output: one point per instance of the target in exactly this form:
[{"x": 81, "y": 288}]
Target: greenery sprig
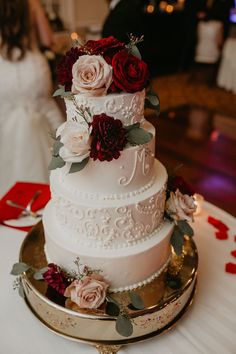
[{"x": 124, "y": 323}]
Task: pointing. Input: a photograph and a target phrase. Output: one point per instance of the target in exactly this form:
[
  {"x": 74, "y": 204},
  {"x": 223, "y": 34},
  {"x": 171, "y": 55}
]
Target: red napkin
[{"x": 21, "y": 193}]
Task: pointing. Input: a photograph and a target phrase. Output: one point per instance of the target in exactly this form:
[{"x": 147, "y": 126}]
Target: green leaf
[
  {"x": 173, "y": 282},
  {"x": 136, "y": 301},
  {"x": 75, "y": 167},
  {"x": 124, "y": 326},
  {"x": 177, "y": 240},
  {"x": 56, "y": 162},
  {"x": 39, "y": 275},
  {"x": 185, "y": 228},
  {"x": 21, "y": 290},
  {"x": 61, "y": 92},
  {"x": 58, "y": 92},
  {"x": 138, "y": 136},
  {"x": 19, "y": 268},
  {"x": 56, "y": 147},
  {"x": 152, "y": 101},
  {"x": 133, "y": 49},
  {"x": 132, "y": 126},
  {"x": 112, "y": 309}
]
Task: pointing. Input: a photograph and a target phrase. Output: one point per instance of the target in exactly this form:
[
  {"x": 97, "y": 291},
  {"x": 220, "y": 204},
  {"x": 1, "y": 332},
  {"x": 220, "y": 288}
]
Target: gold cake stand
[{"x": 166, "y": 299}]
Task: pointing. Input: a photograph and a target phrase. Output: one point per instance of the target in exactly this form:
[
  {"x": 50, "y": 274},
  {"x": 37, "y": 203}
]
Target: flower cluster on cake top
[
  {"x": 94, "y": 69},
  {"x": 105, "y": 65}
]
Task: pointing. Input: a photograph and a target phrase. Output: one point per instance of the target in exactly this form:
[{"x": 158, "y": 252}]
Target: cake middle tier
[
  {"x": 119, "y": 222},
  {"x": 131, "y": 172}
]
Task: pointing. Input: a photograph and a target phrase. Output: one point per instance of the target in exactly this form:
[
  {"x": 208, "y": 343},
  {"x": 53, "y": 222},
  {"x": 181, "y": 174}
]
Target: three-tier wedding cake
[{"x": 108, "y": 189}]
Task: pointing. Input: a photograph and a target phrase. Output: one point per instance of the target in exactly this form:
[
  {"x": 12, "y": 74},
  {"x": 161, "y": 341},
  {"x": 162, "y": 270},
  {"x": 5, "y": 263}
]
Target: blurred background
[{"x": 190, "y": 47}]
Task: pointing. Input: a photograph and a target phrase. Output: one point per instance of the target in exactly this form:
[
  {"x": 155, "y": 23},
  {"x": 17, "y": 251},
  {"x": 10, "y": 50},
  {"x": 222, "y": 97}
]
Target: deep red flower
[
  {"x": 107, "y": 47},
  {"x": 55, "y": 277},
  {"x": 130, "y": 74},
  {"x": 108, "y": 138},
  {"x": 64, "y": 68},
  {"x": 178, "y": 182}
]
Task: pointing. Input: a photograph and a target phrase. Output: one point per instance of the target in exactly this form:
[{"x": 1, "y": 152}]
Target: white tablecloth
[{"x": 208, "y": 327}]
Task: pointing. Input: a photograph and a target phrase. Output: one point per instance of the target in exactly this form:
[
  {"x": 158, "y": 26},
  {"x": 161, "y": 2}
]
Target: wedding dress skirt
[{"x": 28, "y": 116}]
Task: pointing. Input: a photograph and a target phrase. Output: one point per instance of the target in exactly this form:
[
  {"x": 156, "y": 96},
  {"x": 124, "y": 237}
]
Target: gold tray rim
[{"x": 168, "y": 327}]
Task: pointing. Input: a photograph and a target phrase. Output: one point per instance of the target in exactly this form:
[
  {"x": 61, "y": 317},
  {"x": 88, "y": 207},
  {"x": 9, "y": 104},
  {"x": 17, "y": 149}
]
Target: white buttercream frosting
[{"x": 128, "y": 107}]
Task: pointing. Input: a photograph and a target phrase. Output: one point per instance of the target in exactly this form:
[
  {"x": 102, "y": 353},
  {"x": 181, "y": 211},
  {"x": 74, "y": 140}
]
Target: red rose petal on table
[
  {"x": 233, "y": 253},
  {"x": 221, "y": 235},
  {"x": 217, "y": 224},
  {"x": 230, "y": 268}
]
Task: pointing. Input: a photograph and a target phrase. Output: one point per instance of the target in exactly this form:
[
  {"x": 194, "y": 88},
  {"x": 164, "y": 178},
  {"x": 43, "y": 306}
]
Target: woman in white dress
[{"x": 28, "y": 113}]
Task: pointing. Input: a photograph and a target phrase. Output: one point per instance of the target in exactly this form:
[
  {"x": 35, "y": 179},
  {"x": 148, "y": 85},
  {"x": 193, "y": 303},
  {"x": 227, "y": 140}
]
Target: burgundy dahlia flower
[
  {"x": 108, "y": 138},
  {"x": 55, "y": 277}
]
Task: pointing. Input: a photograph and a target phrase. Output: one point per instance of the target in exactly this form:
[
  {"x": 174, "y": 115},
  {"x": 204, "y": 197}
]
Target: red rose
[
  {"x": 107, "y": 47},
  {"x": 130, "y": 74},
  {"x": 177, "y": 182},
  {"x": 108, "y": 138},
  {"x": 64, "y": 68}
]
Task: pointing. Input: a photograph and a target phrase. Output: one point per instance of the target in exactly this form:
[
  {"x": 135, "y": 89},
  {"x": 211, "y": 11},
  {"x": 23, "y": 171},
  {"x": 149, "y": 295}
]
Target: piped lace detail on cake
[
  {"x": 129, "y": 108},
  {"x": 111, "y": 227},
  {"x": 141, "y": 283}
]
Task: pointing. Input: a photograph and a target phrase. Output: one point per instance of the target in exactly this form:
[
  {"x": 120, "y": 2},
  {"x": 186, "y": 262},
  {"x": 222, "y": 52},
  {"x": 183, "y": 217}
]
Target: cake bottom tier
[{"x": 124, "y": 268}]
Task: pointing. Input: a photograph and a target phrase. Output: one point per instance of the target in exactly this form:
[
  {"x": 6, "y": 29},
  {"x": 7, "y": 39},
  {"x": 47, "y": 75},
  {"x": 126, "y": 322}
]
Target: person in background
[{"x": 27, "y": 112}]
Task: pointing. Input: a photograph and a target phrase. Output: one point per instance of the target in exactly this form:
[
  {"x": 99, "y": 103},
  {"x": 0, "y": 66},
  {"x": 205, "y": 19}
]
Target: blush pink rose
[
  {"x": 180, "y": 206},
  {"x": 89, "y": 292}
]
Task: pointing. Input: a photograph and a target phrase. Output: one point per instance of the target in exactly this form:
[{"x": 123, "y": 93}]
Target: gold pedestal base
[{"x": 166, "y": 299}]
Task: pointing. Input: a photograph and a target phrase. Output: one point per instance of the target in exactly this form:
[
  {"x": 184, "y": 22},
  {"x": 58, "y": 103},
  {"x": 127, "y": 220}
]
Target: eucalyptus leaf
[
  {"x": 138, "y": 136},
  {"x": 152, "y": 101},
  {"x": 19, "y": 268},
  {"x": 21, "y": 291},
  {"x": 185, "y": 228},
  {"x": 61, "y": 92},
  {"x": 136, "y": 301},
  {"x": 56, "y": 147},
  {"x": 124, "y": 326},
  {"x": 133, "y": 49},
  {"x": 177, "y": 240},
  {"x": 112, "y": 309},
  {"x": 173, "y": 282},
  {"x": 132, "y": 126},
  {"x": 39, "y": 274},
  {"x": 56, "y": 162},
  {"x": 58, "y": 92},
  {"x": 78, "y": 166}
]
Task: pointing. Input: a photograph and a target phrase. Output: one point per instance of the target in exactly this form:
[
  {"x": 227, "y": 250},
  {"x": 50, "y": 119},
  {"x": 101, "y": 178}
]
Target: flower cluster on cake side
[{"x": 96, "y": 69}]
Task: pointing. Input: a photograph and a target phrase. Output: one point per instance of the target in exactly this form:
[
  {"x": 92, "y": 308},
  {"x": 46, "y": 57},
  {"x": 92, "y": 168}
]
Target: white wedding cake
[{"x": 107, "y": 207}]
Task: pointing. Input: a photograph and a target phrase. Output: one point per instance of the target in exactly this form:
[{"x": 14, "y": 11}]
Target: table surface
[{"x": 208, "y": 326}]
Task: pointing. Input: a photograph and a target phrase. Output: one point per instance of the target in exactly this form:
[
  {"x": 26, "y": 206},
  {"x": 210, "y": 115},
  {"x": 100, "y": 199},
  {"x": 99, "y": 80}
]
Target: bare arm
[{"x": 41, "y": 23}]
